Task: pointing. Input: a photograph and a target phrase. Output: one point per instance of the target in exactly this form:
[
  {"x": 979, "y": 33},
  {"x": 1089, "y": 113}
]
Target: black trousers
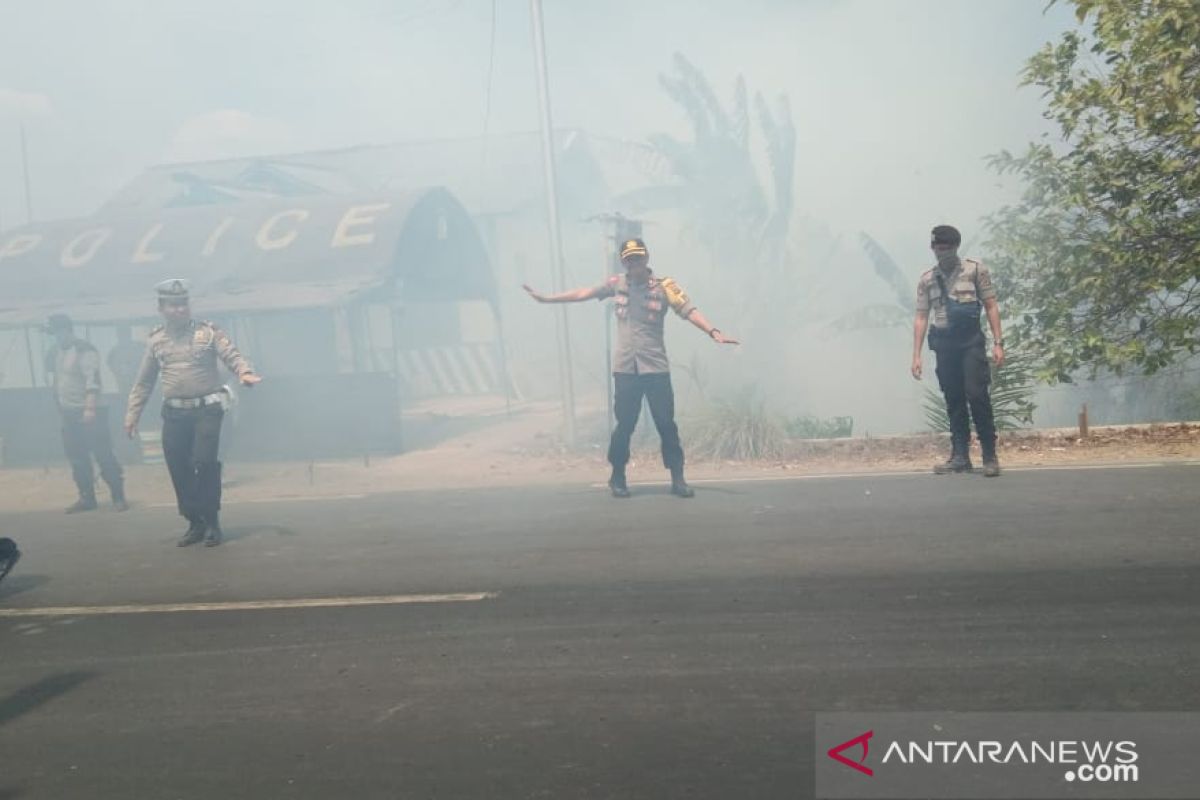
[
  {"x": 191, "y": 439},
  {"x": 964, "y": 375},
  {"x": 84, "y": 441},
  {"x": 656, "y": 388}
]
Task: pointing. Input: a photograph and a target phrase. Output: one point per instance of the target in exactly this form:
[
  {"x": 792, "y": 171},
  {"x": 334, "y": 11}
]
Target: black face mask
[{"x": 947, "y": 258}]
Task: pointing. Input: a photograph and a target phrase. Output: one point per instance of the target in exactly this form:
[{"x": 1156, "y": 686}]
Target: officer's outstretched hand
[
  {"x": 916, "y": 368},
  {"x": 249, "y": 379},
  {"x": 721, "y": 338},
  {"x": 536, "y": 295}
]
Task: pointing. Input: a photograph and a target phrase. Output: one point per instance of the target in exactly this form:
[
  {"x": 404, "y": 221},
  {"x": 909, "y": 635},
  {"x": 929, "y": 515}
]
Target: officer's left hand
[
  {"x": 89, "y": 416},
  {"x": 721, "y": 338},
  {"x": 998, "y": 355},
  {"x": 536, "y": 295},
  {"x": 249, "y": 379}
]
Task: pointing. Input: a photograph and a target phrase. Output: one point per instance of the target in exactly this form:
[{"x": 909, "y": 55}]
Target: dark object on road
[{"x": 9, "y": 556}]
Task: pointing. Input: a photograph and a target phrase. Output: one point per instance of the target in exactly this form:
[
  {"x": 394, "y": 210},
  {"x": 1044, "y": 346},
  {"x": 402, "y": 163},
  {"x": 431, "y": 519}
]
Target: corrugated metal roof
[{"x": 500, "y": 175}]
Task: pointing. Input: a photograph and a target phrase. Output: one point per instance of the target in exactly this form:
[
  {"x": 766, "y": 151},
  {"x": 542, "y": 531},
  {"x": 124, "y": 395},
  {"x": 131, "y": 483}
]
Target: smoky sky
[{"x": 895, "y": 102}]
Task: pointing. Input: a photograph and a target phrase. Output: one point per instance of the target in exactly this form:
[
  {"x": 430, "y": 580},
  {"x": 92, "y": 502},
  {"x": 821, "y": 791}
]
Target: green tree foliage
[{"x": 1102, "y": 255}]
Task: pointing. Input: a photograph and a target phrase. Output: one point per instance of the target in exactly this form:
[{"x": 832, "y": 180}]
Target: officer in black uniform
[{"x": 951, "y": 296}]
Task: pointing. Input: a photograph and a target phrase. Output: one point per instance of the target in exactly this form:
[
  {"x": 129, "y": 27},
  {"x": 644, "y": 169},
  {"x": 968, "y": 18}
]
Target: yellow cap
[{"x": 633, "y": 247}]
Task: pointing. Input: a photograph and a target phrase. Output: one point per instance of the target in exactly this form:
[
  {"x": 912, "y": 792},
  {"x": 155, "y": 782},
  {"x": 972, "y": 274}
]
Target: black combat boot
[
  {"x": 213, "y": 536},
  {"x": 616, "y": 483},
  {"x": 84, "y": 503},
  {"x": 118, "y": 497},
  {"x": 958, "y": 462},
  {"x": 194, "y": 533},
  {"x": 991, "y": 464},
  {"x": 679, "y": 486}
]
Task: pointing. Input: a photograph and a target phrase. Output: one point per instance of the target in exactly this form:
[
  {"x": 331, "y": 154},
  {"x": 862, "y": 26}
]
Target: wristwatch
[{"x": 713, "y": 332}]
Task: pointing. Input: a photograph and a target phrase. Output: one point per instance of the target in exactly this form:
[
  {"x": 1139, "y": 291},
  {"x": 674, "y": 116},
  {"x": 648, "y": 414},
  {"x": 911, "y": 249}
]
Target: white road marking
[{"x": 247, "y": 605}]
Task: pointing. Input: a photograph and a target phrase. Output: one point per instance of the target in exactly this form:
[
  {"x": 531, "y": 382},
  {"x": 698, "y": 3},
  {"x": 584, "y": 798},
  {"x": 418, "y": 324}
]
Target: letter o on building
[{"x": 83, "y": 247}]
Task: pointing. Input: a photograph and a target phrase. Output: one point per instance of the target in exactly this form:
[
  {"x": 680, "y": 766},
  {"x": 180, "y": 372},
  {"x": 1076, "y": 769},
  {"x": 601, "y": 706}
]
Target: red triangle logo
[{"x": 836, "y": 752}]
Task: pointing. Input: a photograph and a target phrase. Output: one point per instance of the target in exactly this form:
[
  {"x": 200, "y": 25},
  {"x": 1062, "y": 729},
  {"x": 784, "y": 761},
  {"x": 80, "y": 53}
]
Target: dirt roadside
[{"x": 523, "y": 448}]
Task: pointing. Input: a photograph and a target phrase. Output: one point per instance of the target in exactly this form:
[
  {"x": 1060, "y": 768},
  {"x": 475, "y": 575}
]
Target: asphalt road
[{"x": 578, "y": 646}]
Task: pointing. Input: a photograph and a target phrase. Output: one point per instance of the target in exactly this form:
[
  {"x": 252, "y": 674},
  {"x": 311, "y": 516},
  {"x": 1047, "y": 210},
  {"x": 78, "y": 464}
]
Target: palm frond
[
  {"x": 705, "y": 96},
  {"x": 683, "y": 94},
  {"x": 780, "y": 134},
  {"x": 889, "y": 271},
  {"x": 740, "y": 116}
]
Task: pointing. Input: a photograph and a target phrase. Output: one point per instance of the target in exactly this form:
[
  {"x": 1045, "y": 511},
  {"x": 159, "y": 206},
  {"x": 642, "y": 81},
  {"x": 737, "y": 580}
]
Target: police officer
[
  {"x": 75, "y": 366},
  {"x": 954, "y": 292},
  {"x": 186, "y": 351},
  {"x": 640, "y": 365}
]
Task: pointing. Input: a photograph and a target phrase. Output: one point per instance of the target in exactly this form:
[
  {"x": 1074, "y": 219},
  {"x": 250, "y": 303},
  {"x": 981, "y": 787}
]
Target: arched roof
[{"x": 246, "y": 257}]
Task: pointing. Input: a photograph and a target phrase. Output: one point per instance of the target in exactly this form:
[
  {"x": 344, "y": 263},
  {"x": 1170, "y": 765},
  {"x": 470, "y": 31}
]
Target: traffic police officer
[
  {"x": 640, "y": 365},
  {"x": 75, "y": 365},
  {"x": 955, "y": 291},
  {"x": 186, "y": 351}
]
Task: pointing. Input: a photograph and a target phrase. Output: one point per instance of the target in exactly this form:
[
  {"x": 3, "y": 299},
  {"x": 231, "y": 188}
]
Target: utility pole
[
  {"x": 25, "y": 166},
  {"x": 622, "y": 228},
  {"x": 566, "y": 381}
]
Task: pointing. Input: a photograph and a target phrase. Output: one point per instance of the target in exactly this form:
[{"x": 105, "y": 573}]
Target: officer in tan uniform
[
  {"x": 951, "y": 295},
  {"x": 185, "y": 352},
  {"x": 75, "y": 366},
  {"x": 640, "y": 365}
]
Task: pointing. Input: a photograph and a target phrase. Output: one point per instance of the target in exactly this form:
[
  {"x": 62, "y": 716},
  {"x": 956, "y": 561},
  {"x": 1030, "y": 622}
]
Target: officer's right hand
[
  {"x": 916, "y": 368},
  {"x": 131, "y": 429},
  {"x": 541, "y": 298}
]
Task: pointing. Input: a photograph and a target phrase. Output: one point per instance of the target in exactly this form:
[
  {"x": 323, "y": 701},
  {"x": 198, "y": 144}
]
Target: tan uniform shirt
[
  {"x": 967, "y": 282},
  {"x": 641, "y": 310},
  {"x": 76, "y": 374},
  {"x": 187, "y": 359}
]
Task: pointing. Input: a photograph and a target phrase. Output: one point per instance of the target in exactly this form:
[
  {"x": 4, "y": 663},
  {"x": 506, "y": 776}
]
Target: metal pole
[
  {"x": 556, "y": 250},
  {"x": 608, "y": 377},
  {"x": 29, "y": 355},
  {"x": 25, "y": 165}
]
